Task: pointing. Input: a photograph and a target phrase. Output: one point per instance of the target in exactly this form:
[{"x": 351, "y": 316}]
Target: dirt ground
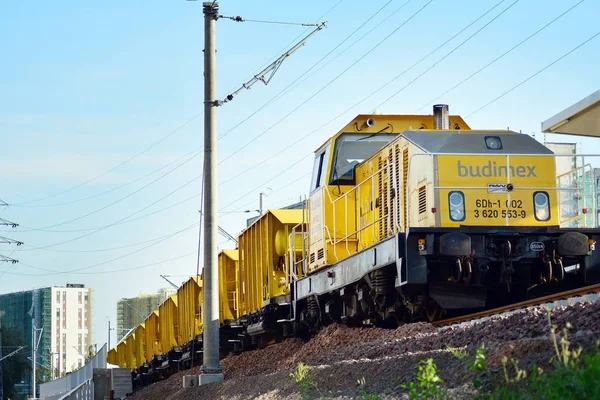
[{"x": 340, "y": 356}]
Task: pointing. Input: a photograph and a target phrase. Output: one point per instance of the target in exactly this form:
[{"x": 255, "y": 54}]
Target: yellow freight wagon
[
  {"x": 140, "y": 345},
  {"x": 188, "y": 309},
  {"x": 121, "y": 355},
  {"x": 130, "y": 361},
  {"x": 152, "y": 336},
  {"x": 112, "y": 357},
  {"x": 262, "y": 258},
  {"x": 228, "y": 282},
  {"x": 168, "y": 324}
]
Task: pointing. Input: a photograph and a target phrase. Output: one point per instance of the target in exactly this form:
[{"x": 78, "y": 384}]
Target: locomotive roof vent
[{"x": 441, "y": 116}]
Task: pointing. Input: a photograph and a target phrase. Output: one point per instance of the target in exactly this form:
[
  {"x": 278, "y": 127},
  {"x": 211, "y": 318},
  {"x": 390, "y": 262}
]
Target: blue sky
[{"x": 86, "y": 86}]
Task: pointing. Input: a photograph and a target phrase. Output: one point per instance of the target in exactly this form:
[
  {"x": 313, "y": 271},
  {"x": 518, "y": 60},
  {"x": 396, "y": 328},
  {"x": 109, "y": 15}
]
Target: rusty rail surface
[{"x": 520, "y": 306}]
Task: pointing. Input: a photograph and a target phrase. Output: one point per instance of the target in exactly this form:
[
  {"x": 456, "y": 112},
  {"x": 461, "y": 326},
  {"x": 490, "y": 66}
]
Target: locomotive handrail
[{"x": 360, "y": 228}]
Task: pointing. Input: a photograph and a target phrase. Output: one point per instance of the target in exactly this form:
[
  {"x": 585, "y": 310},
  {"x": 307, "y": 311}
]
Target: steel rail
[{"x": 519, "y": 306}]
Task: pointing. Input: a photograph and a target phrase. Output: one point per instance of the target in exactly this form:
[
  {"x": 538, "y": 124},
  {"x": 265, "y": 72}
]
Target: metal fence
[{"x": 75, "y": 381}]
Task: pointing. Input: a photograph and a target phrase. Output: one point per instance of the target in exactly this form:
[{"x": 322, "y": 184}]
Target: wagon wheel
[{"x": 433, "y": 312}]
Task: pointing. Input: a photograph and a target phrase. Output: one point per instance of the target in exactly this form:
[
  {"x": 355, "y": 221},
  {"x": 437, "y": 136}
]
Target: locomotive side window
[
  {"x": 319, "y": 170},
  {"x": 350, "y": 150}
]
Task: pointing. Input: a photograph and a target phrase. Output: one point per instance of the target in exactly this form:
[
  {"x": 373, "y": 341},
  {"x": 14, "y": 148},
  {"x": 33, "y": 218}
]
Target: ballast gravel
[{"x": 340, "y": 356}]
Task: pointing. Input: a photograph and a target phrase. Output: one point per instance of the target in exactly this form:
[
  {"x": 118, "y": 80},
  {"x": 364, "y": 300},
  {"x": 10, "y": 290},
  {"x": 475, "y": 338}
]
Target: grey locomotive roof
[{"x": 474, "y": 142}]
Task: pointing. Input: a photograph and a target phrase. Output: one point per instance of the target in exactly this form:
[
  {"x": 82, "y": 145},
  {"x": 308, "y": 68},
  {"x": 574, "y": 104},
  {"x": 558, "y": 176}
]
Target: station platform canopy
[{"x": 580, "y": 119}]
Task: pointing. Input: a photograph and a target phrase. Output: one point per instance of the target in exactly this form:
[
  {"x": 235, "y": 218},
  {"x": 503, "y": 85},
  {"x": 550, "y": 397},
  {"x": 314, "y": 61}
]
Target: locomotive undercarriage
[{"x": 441, "y": 273}]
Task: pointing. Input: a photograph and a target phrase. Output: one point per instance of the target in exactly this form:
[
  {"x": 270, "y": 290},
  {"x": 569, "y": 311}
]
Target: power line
[
  {"x": 501, "y": 56},
  {"x": 55, "y": 272},
  {"x": 197, "y": 150},
  {"x": 536, "y": 74},
  {"x": 286, "y": 46},
  {"x": 125, "y": 197},
  {"x": 107, "y": 271},
  {"x": 133, "y": 157},
  {"x": 106, "y": 249},
  {"x": 269, "y": 180},
  {"x": 155, "y": 242},
  {"x": 231, "y": 155},
  {"x": 285, "y": 90},
  {"x": 242, "y": 19},
  {"x": 449, "y": 53},
  {"x": 118, "y": 165},
  {"x": 372, "y": 93},
  {"x": 122, "y": 219},
  {"x": 320, "y": 90},
  {"x": 125, "y": 219},
  {"x": 337, "y": 116}
]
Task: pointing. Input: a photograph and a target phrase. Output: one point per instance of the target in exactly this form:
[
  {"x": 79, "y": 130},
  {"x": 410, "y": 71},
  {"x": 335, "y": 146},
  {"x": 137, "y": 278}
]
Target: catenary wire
[
  {"x": 102, "y": 250},
  {"x": 156, "y": 241},
  {"x": 390, "y": 15},
  {"x": 141, "y": 152},
  {"x": 278, "y": 54},
  {"x": 221, "y": 136},
  {"x": 299, "y": 79},
  {"x": 365, "y": 98},
  {"x": 197, "y": 150},
  {"x": 537, "y": 73},
  {"x": 446, "y": 55},
  {"x": 501, "y": 55},
  {"x": 55, "y": 272},
  {"x": 118, "y": 165},
  {"x": 328, "y": 83},
  {"x": 106, "y": 271},
  {"x": 125, "y": 197},
  {"x": 130, "y": 215}
]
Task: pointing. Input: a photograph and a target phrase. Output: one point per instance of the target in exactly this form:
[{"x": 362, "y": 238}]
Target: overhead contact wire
[
  {"x": 328, "y": 84},
  {"x": 285, "y": 90},
  {"x": 448, "y": 54},
  {"x": 501, "y": 55},
  {"x": 537, "y": 73}
]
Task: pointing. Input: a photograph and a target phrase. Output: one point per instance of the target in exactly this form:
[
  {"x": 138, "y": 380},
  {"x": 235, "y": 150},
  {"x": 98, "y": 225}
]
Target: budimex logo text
[{"x": 491, "y": 169}]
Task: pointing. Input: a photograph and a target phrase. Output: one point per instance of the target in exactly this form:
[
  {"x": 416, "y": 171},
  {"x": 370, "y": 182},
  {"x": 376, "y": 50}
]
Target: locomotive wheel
[{"x": 433, "y": 312}]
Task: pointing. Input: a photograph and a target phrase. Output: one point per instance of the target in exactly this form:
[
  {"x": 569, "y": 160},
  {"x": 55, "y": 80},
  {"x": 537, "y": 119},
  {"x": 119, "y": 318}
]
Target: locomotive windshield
[{"x": 351, "y": 149}]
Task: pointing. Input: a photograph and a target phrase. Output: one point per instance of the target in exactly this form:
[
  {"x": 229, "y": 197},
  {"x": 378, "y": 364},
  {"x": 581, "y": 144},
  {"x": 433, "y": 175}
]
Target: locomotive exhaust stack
[{"x": 441, "y": 117}]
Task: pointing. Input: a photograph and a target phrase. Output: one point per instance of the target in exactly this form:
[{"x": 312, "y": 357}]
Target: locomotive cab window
[
  {"x": 319, "y": 169},
  {"x": 351, "y": 149}
]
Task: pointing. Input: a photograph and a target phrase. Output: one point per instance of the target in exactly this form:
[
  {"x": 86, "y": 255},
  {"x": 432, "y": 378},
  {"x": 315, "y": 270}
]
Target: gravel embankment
[{"x": 340, "y": 356}]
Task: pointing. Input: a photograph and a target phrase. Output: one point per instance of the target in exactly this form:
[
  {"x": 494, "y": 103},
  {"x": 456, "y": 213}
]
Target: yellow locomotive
[{"x": 409, "y": 217}]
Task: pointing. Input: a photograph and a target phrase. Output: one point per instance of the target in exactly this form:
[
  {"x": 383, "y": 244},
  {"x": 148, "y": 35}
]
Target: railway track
[{"x": 592, "y": 289}]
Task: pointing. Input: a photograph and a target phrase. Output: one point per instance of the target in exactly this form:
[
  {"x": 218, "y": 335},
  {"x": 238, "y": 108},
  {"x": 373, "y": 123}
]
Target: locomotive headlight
[
  {"x": 456, "y": 200},
  {"x": 541, "y": 205}
]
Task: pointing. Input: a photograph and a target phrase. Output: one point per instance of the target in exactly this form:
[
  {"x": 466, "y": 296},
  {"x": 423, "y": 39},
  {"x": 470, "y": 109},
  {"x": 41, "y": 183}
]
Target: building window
[
  {"x": 79, "y": 297},
  {"x": 85, "y": 298},
  {"x": 58, "y": 297},
  {"x": 57, "y": 312},
  {"x": 80, "y": 363}
]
